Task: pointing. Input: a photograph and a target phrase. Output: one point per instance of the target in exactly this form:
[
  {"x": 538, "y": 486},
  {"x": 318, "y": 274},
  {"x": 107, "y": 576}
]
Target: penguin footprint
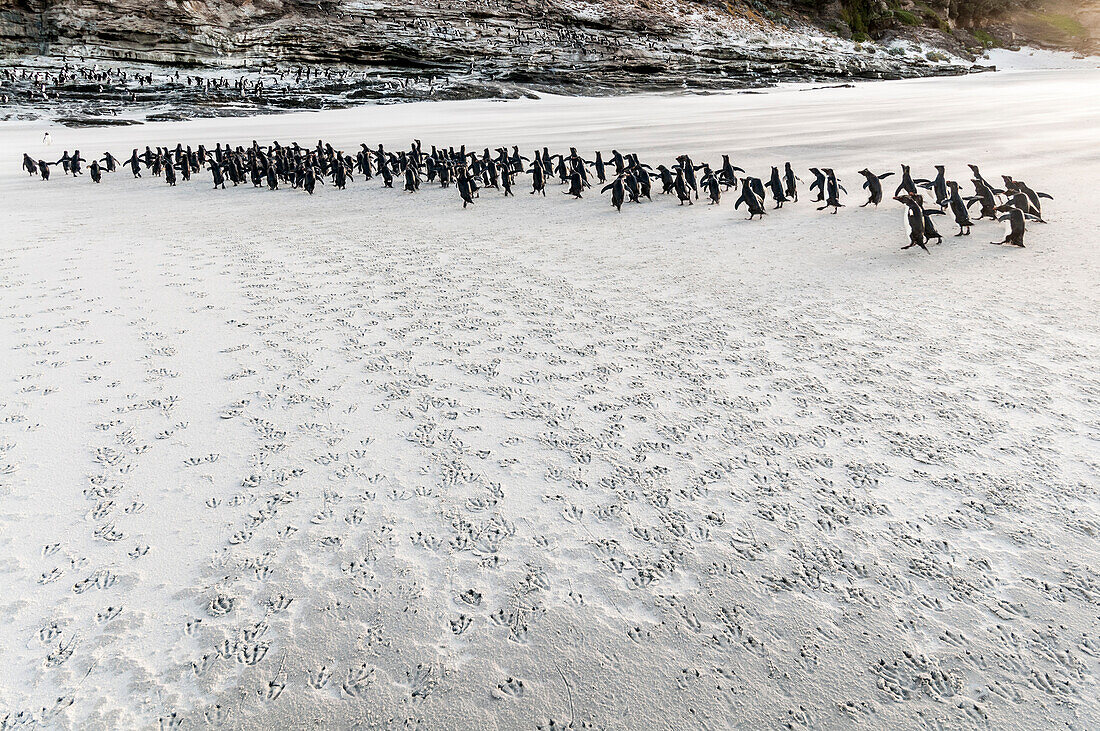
[{"x": 510, "y": 688}]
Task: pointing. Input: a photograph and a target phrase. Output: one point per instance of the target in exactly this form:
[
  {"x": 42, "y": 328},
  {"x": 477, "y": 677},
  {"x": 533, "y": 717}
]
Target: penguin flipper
[
  {"x": 1048, "y": 196},
  {"x": 884, "y": 176}
]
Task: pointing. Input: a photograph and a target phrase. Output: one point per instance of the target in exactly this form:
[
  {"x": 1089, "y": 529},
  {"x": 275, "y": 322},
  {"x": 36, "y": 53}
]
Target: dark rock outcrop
[{"x": 416, "y": 49}]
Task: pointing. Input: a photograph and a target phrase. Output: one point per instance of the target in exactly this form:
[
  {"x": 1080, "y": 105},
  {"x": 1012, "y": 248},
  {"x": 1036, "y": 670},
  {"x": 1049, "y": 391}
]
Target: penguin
[
  {"x": 95, "y": 171},
  {"x": 412, "y": 179},
  {"x": 29, "y": 165},
  {"x": 832, "y": 189},
  {"x": 689, "y": 169},
  {"x": 135, "y": 164},
  {"x": 914, "y": 218},
  {"x": 645, "y": 186},
  {"x": 873, "y": 184},
  {"x": 757, "y": 186},
  {"x": 617, "y": 189},
  {"x": 727, "y": 174},
  {"x": 74, "y": 163},
  {"x": 984, "y": 196},
  {"x": 1033, "y": 197},
  {"x": 930, "y": 231},
  {"x": 170, "y": 173},
  {"x": 216, "y": 172},
  {"x": 490, "y": 176},
  {"x": 819, "y": 184},
  {"x": 775, "y": 184},
  {"x": 906, "y": 185},
  {"x": 667, "y": 181},
  {"x": 576, "y": 185},
  {"x": 938, "y": 186},
  {"x": 310, "y": 180},
  {"x": 753, "y": 201},
  {"x": 538, "y": 177},
  {"x": 562, "y": 170},
  {"x": 577, "y": 165},
  {"x": 1016, "y": 225},
  {"x": 711, "y": 184},
  {"x": 600, "y": 168},
  {"x": 681, "y": 187},
  {"x": 790, "y": 181},
  {"x": 616, "y": 160},
  {"x": 44, "y": 169},
  {"x": 958, "y": 209},
  {"x": 630, "y": 185},
  {"x": 465, "y": 187}
]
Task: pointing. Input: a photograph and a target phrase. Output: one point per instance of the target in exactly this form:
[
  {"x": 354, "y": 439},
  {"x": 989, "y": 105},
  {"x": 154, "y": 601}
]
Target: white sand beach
[{"x": 367, "y": 459}]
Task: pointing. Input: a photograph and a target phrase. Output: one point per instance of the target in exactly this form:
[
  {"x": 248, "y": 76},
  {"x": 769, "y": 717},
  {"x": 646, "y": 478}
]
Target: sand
[{"x": 365, "y": 459}]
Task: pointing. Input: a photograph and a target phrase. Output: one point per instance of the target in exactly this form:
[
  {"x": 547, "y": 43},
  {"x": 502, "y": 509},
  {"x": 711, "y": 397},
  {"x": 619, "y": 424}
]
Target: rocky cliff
[
  {"x": 568, "y": 41},
  {"x": 395, "y": 49}
]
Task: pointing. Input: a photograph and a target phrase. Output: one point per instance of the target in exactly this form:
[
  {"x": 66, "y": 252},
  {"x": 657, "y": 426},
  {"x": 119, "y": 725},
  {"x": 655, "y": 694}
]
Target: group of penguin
[{"x": 624, "y": 176}]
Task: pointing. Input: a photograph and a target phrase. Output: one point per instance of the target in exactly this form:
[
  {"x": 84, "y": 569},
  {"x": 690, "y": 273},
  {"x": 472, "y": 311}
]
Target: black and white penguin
[
  {"x": 775, "y": 184},
  {"x": 873, "y": 184},
  {"x": 914, "y": 219},
  {"x": 1016, "y": 218},
  {"x": 958, "y": 209},
  {"x": 753, "y": 200},
  {"x": 618, "y": 192}
]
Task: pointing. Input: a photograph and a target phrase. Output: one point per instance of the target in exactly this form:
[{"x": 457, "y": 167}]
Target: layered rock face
[{"x": 558, "y": 43}]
